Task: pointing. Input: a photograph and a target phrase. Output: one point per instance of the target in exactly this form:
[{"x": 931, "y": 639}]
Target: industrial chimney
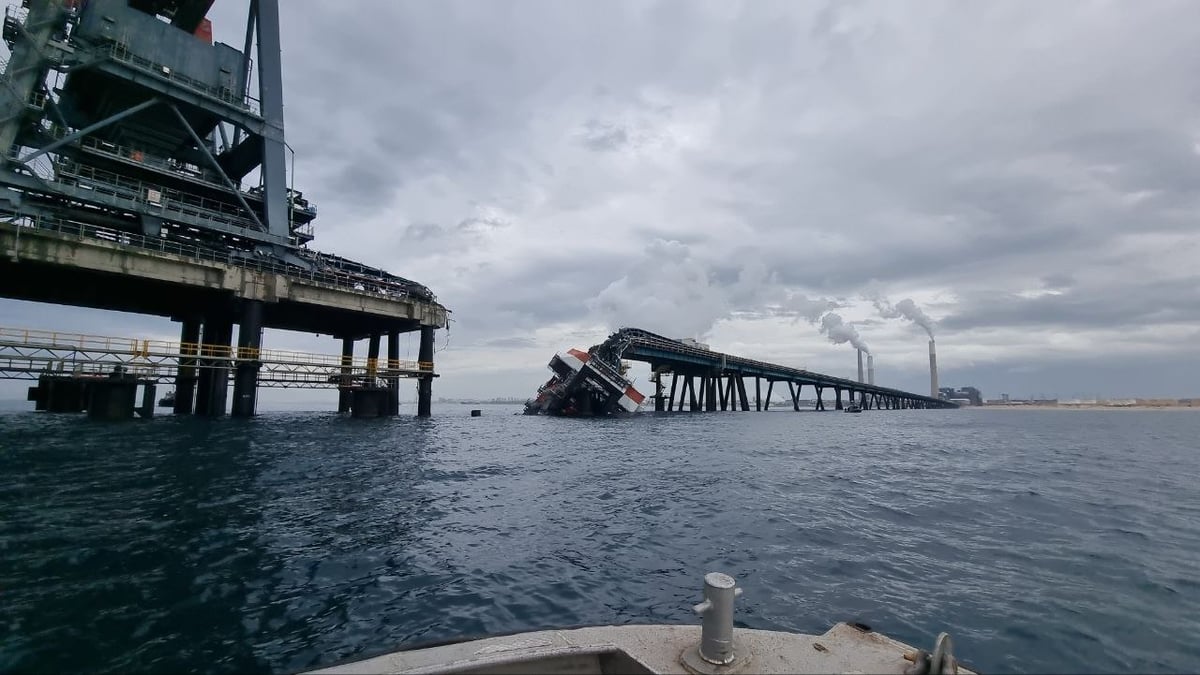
[
  {"x": 933, "y": 383},
  {"x": 870, "y": 369},
  {"x": 860, "y": 370}
]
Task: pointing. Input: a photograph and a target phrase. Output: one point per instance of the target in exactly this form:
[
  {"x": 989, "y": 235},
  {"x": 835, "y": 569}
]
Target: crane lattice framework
[
  {"x": 122, "y": 119},
  {"x": 125, "y": 112}
]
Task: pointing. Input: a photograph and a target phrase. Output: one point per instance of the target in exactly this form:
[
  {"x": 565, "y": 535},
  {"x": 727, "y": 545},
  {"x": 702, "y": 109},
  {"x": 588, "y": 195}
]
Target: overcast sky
[{"x": 1026, "y": 172}]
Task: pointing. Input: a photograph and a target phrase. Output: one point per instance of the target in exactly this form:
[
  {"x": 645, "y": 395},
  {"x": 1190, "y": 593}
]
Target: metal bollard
[{"x": 716, "y": 634}]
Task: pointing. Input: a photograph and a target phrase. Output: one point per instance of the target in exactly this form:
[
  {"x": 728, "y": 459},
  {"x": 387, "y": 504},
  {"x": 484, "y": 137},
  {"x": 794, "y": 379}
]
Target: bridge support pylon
[
  {"x": 245, "y": 383},
  {"x": 425, "y": 382},
  {"x": 212, "y": 386},
  {"x": 185, "y": 379}
]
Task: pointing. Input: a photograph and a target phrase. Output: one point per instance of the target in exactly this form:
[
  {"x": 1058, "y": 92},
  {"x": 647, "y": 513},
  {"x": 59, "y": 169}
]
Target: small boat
[
  {"x": 168, "y": 400},
  {"x": 716, "y": 647},
  {"x": 853, "y": 408}
]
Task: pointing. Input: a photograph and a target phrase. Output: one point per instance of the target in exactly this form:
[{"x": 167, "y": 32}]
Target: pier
[
  {"x": 705, "y": 380},
  {"x": 140, "y": 174}
]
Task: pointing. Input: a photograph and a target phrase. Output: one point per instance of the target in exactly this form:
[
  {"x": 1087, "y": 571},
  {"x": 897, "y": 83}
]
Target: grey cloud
[
  {"x": 774, "y": 156},
  {"x": 602, "y": 137},
  {"x": 510, "y": 342},
  {"x": 476, "y": 224},
  {"x": 424, "y": 231},
  {"x": 1058, "y": 281},
  {"x": 1129, "y": 304}
]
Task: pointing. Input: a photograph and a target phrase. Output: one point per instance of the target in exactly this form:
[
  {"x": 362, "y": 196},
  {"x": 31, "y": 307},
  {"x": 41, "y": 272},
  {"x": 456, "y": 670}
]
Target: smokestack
[
  {"x": 860, "y": 370},
  {"x": 870, "y": 369},
  {"x": 933, "y": 383}
]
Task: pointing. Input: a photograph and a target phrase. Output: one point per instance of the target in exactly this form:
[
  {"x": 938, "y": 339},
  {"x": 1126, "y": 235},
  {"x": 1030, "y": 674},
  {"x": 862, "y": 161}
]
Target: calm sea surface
[{"x": 1042, "y": 540}]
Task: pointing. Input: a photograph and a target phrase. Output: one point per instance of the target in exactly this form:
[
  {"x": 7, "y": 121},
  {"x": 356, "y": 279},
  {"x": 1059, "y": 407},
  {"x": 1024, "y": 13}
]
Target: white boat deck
[{"x": 648, "y": 649}]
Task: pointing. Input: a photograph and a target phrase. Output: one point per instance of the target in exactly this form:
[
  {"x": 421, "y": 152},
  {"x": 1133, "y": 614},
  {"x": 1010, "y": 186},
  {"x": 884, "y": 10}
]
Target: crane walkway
[{"x": 27, "y": 354}]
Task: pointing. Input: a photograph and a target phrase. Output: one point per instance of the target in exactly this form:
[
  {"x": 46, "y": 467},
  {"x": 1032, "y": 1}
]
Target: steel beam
[
  {"x": 251, "y": 19},
  {"x": 221, "y": 172},
  {"x": 270, "y": 94},
  {"x": 76, "y": 135}
]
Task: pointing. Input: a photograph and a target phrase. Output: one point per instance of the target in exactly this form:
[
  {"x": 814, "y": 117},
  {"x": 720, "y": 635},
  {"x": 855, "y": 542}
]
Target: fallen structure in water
[
  {"x": 586, "y": 384},
  {"x": 594, "y": 382}
]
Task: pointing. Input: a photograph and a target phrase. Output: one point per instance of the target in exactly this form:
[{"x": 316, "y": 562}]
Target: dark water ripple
[{"x": 1044, "y": 541}]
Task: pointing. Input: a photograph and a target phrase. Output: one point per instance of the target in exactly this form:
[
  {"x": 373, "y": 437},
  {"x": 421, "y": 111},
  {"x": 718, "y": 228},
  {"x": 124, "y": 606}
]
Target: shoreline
[{"x": 1082, "y": 407}]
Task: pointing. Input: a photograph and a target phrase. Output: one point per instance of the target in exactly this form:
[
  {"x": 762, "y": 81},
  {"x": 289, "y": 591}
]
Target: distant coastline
[{"x": 1040, "y": 406}]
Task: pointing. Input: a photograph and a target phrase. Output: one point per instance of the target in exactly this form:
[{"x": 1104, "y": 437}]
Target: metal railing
[
  {"x": 119, "y": 51},
  {"x": 29, "y": 353},
  {"x": 640, "y": 338},
  {"x": 162, "y": 244},
  {"x": 150, "y": 195},
  {"x": 133, "y": 187}
]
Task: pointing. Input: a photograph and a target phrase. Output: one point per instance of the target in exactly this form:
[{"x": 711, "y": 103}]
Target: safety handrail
[
  {"x": 29, "y": 338},
  {"x": 161, "y": 244}
]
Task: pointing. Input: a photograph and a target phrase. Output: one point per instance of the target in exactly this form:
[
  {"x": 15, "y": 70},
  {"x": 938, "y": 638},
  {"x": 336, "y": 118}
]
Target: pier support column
[
  {"x": 838, "y": 393},
  {"x": 710, "y": 393},
  {"x": 372, "y": 359},
  {"x": 368, "y": 402},
  {"x": 393, "y": 366},
  {"x": 820, "y": 397},
  {"x": 671, "y": 401},
  {"x": 741, "y": 385},
  {"x": 146, "y": 411},
  {"x": 344, "y": 396},
  {"x": 757, "y": 393},
  {"x": 212, "y": 385},
  {"x": 658, "y": 393},
  {"x": 770, "y": 388},
  {"x": 245, "y": 383},
  {"x": 795, "y": 392},
  {"x": 425, "y": 383},
  {"x": 112, "y": 399},
  {"x": 185, "y": 379}
]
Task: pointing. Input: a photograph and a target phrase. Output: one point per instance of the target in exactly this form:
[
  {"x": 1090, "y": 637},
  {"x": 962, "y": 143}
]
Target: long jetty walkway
[
  {"x": 71, "y": 368},
  {"x": 701, "y": 379}
]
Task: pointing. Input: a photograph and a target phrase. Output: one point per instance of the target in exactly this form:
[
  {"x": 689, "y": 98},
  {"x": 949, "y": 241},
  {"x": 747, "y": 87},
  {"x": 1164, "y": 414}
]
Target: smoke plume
[
  {"x": 838, "y": 331},
  {"x": 905, "y": 309}
]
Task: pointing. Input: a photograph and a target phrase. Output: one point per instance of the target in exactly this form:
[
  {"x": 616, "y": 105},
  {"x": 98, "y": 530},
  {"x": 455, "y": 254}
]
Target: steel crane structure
[{"x": 123, "y": 120}]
